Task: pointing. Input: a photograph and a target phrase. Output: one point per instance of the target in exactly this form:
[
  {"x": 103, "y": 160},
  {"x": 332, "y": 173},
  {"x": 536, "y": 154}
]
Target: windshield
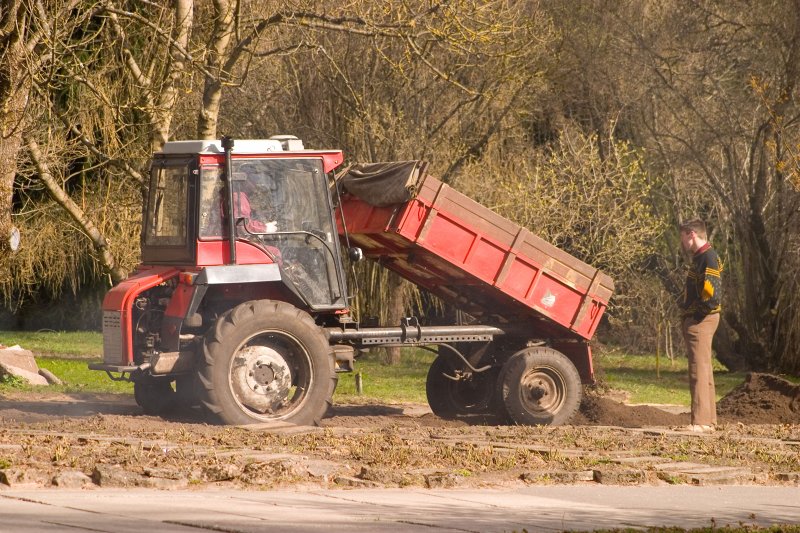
[{"x": 282, "y": 206}]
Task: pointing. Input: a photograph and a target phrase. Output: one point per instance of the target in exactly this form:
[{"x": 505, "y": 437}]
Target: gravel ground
[{"x": 92, "y": 441}]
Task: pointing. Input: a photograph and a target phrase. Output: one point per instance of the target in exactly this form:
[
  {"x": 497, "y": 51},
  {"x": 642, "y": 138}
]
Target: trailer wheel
[
  {"x": 449, "y": 398},
  {"x": 154, "y": 396},
  {"x": 266, "y": 361},
  {"x": 540, "y": 386}
]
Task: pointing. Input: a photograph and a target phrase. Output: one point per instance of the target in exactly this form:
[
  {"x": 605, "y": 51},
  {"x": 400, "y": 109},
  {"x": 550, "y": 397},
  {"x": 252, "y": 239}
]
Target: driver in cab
[{"x": 251, "y": 200}]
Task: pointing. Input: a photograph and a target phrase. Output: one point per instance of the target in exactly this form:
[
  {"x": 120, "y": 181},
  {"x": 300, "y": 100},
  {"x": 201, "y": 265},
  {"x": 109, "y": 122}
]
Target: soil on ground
[
  {"x": 603, "y": 411},
  {"x": 103, "y": 440},
  {"x": 762, "y": 399}
]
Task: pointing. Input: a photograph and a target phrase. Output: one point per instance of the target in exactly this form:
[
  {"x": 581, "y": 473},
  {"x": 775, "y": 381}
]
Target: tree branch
[{"x": 78, "y": 215}]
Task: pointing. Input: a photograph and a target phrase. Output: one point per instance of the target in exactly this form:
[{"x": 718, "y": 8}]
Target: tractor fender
[
  {"x": 180, "y": 311},
  {"x": 187, "y": 297}
]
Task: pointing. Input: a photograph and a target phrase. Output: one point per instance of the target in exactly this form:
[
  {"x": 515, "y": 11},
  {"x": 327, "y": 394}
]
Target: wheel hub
[
  {"x": 540, "y": 391},
  {"x": 261, "y": 378},
  {"x": 262, "y": 373}
]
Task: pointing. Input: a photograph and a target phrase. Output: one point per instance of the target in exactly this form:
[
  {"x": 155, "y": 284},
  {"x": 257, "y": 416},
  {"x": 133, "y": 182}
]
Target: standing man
[{"x": 701, "y": 308}]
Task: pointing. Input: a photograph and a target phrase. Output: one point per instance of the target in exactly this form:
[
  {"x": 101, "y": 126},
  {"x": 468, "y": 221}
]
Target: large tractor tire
[
  {"x": 449, "y": 398},
  {"x": 266, "y": 361},
  {"x": 539, "y": 386}
]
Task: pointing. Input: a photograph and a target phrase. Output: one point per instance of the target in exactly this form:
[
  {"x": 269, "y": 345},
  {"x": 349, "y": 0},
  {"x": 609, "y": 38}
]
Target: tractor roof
[
  {"x": 248, "y": 148},
  {"x": 276, "y": 143}
]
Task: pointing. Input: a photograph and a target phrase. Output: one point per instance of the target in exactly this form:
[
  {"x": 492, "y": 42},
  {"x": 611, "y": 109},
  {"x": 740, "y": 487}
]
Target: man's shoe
[{"x": 699, "y": 428}]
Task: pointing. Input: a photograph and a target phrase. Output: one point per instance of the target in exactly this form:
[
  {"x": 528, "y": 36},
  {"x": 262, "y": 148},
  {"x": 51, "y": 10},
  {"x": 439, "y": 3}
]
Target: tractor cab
[
  {"x": 262, "y": 202},
  {"x": 224, "y": 223}
]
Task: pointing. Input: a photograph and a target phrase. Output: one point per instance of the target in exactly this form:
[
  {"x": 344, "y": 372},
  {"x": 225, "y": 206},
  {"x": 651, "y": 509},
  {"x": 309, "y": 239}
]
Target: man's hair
[{"x": 696, "y": 225}]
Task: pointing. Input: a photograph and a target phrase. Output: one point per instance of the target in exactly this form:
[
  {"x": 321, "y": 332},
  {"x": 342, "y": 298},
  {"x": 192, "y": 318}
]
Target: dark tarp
[{"x": 382, "y": 184}]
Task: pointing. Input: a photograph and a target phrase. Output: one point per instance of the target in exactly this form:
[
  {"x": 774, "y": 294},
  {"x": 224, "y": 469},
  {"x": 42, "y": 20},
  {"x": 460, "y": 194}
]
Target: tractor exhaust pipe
[{"x": 227, "y": 145}]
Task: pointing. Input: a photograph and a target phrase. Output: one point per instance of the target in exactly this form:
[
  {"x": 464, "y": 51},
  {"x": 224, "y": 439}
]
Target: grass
[
  {"x": 56, "y": 343},
  {"x": 66, "y": 355},
  {"x": 74, "y": 373},
  {"x": 661, "y": 382},
  {"x": 77, "y": 377},
  {"x": 400, "y": 383}
]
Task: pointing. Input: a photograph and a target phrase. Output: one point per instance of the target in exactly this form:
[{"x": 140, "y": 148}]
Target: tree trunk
[
  {"x": 395, "y": 312},
  {"x": 212, "y": 92},
  {"x": 14, "y": 91},
  {"x": 13, "y": 97},
  {"x": 726, "y": 349},
  {"x": 10, "y": 144},
  {"x": 184, "y": 19},
  {"x": 84, "y": 222},
  {"x": 9, "y": 152}
]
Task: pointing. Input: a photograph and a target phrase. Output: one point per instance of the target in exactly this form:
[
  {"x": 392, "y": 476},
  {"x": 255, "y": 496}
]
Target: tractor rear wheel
[
  {"x": 539, "y": 386},
  {"x": 469, "y": 393},
  {"x": 266, "y": 361}
]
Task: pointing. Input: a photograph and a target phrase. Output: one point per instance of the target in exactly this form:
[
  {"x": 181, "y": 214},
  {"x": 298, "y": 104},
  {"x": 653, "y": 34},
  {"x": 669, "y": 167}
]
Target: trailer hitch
[{"x": 411, "y": 322}]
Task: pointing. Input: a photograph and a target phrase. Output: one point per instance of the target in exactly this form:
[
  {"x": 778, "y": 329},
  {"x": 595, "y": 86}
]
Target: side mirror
[{"x": 355, "y": 254}]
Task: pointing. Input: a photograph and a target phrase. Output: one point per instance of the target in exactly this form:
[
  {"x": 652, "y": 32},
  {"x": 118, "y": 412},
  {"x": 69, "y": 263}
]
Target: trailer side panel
[{"x": 479, "y": 261}]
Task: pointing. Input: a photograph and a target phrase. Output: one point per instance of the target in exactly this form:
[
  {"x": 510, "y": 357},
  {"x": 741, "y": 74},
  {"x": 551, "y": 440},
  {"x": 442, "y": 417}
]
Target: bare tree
[
  {"x": 86, "y": 88},
  {"x": 13, "y": 94},
  {"x": 723, "y": 121},
  {"x": 438, "y": 82},
  {"x": 20, "y": 37},
  {"x": 172, "y": 31},
  {"x": 56, "y": 190}
]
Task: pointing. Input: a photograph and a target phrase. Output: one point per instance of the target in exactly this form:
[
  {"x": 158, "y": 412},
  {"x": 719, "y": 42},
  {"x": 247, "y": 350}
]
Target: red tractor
[{"x": 241, "y": 303}]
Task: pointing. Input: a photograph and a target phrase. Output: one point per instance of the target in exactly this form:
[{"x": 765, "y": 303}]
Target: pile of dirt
[
  {"x": 761, "y": 399},
  {"x": 601, "y": 411}
]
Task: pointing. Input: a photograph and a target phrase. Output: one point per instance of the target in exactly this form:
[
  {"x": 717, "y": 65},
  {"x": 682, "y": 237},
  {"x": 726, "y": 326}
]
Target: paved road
[{"x": 539, "y": 508}]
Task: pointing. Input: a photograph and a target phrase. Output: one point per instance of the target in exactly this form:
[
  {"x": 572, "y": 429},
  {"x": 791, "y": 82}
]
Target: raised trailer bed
[{"x": 501, "y": 274}]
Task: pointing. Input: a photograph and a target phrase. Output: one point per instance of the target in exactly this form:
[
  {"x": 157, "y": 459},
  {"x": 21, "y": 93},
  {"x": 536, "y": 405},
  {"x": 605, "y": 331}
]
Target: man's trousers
[{"x": 698, "y": 335}]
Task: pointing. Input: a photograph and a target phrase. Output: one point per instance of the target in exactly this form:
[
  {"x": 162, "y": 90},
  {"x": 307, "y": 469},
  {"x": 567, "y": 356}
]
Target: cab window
[{"x": 166, "y": 217}]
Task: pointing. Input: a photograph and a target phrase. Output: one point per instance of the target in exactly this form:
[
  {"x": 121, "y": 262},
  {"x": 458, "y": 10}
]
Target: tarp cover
[{"x": 382, "y": 184}]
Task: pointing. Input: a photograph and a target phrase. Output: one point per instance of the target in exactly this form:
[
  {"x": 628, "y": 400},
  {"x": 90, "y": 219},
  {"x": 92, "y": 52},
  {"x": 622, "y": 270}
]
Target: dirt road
[{"x": 77, "y": 441}]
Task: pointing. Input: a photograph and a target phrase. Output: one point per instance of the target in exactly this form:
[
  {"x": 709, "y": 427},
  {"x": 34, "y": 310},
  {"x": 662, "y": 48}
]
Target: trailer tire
[
  {"x": 540, "y": 386},
  {"x": 448, "y": 398},
  {"x": 266, "y": 361},
  {"x": 155, "y": 396}
]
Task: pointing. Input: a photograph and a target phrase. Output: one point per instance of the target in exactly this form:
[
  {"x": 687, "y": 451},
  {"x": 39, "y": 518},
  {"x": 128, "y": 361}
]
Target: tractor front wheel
[
  {"x": 540, "y": 386},
  {"x": 155, "y": 396},
  {"x": 266, "y": 361}
]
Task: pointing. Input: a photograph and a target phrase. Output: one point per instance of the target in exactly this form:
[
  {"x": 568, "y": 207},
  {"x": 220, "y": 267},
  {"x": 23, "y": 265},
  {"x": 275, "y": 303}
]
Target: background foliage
[{"x": 597, "y": 124}]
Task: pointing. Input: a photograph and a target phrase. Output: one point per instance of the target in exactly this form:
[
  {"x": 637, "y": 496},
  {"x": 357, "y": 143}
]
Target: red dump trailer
[{"x": 547, "y": 302}]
